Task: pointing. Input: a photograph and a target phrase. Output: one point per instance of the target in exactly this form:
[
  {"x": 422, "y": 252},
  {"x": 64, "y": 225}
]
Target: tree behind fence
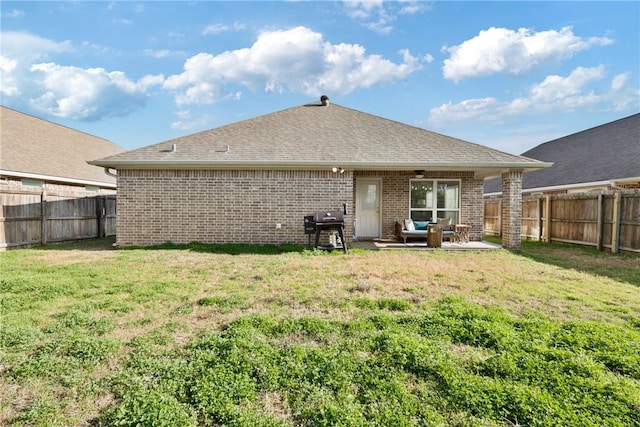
[{"x": 607, "y": 220}]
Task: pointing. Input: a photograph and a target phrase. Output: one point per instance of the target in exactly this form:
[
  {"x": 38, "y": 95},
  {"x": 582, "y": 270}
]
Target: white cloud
[
  {"x": 10, "y": 86},
  {"x": 553, "y": 94},
  {"x": 65, "y": 91},
  {"x": 215, "y": 29},
  {"x": 15, "y": 13},
  {"x": 362, "y": 9},
  {"x": 150, "y": 80},
  {"x": 411, "y": 7},
  {"x": 162, "y": 53},
  {"x": 379, "y": 15},
  {"x": 98, "y": 50},
  {"x": 621, "y": 94},
  {"x": 619, "y": 81},
  {"x": 557, "y": 89},
  {"x": 187, "y": 121},
  {"x": 221, "y": 28},
  {"x": 85, "y": 93},
  {"x": 28, "y": 47},
  {"x": 297, "y": 60},
  {"x": 501, "y": 50}
]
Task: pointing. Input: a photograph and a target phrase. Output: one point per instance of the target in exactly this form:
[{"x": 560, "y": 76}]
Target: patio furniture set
[{"x": 434, "y": 232}]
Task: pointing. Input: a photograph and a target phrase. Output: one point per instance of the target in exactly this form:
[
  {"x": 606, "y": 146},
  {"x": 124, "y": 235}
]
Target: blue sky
[{"x": 509, "y": 75}]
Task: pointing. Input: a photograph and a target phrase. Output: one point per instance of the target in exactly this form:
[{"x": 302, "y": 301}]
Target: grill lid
[{"x": 329, "y": 216}]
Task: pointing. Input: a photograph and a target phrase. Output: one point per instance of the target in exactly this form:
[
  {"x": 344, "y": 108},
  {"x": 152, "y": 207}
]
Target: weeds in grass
[
  {"x": 389, "y": 370},
  {"x": 282, "y": 336}
]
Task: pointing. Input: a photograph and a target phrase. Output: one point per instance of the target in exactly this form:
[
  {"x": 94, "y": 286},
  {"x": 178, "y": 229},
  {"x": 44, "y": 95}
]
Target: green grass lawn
[{"x": 201, "y": 335}]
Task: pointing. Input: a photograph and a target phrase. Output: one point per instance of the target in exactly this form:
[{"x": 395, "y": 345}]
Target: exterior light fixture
[
  {"x": 336, "y": 169},
  {"x": 419, "y": 174}
]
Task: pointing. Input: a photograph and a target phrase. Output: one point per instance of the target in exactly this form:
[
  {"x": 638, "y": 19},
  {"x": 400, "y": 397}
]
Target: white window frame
[
  {"x": 26, "y": 182},
  {"x": 434, "y": 209}
]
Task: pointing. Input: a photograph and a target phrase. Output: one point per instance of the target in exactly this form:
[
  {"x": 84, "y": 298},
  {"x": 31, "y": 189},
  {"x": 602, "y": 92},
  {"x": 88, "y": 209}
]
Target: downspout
[{"x": 106, "y": 170}]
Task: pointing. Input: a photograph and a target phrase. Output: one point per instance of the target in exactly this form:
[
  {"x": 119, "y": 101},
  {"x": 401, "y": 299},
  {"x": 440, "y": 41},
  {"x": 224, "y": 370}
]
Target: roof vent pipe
[
  {"x": 174, "y": 148},
  {"x": 324, "y": 99}
]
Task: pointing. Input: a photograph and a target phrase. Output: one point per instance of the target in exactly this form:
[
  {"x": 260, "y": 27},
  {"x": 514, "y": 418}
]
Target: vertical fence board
[
  {"x": 547, "y": 219},
  {"x": 615, "y": 230},
  {"x": 600, "y": 222},
  {"x": 492, "y": 212},
  {"x": 110, "y": 215},
  {"x": 630, "y": 222}
]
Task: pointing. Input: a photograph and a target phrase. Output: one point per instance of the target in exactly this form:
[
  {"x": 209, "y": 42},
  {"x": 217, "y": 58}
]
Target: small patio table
[{"x": 461, "y": 233}]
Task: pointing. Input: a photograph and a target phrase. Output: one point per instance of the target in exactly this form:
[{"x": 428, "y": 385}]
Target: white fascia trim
[
  {"x": 188, "y": 164},
  {"x": 568, "y": 186},
  {"x": 611, "y": 182},
  {"x": 624, "y": 180},
  {"x": 56, "y": 179}
]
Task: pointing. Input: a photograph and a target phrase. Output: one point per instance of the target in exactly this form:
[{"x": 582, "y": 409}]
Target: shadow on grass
[
  {"x": 229, "y": 248},
  {"x": 107, "y": 244},
  {"x": 623, "y": 267},
  {"x": 94, "y": 244}
]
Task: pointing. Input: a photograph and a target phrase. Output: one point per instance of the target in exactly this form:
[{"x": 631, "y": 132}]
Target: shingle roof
[
  {"x": 29, "y": 145},
  {"x": 607, "y": 152},
  {"x": 313, "y": 135}
]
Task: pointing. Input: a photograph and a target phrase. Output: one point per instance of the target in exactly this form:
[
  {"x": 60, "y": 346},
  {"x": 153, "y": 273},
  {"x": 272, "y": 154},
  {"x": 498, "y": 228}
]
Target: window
[
  {"x": 432, "y": 199},
  {"x": 31, "y": 183}
]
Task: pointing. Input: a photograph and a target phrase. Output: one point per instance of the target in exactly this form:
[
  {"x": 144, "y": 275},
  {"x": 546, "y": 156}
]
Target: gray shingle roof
[
  {"x": 607, "y": 152},
  {"x": 30, "y": 145},
  {"x": 316, "y": 136}
]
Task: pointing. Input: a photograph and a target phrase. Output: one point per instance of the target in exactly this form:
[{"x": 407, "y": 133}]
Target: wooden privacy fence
[
  {"x": 607, "y": 220},
  {"x": 33, "y": 217}
]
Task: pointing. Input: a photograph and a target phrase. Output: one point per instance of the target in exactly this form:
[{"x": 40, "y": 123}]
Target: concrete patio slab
[{"x": 382, "y": 244}]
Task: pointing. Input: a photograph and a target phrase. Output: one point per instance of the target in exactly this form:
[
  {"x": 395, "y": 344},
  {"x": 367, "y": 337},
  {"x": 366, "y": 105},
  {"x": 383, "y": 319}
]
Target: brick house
[
  {"x": 254, "y": 181},
  {"x": 38, "y": 153},
  {"x": 47, "y": 189}
]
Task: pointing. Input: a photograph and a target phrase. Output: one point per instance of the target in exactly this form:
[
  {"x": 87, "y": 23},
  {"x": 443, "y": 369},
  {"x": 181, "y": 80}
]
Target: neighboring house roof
[
  {"x": 315, "y": 136},
  {"x": 606, "y": 153},
  {"x": 34, "y": 148}
]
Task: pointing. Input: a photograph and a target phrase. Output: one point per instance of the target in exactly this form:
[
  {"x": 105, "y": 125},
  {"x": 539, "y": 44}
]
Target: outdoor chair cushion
[{"x": 421, "y": 225}]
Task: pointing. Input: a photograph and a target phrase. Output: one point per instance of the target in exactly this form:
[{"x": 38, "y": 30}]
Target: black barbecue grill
[{"x": 331, "y": 220}]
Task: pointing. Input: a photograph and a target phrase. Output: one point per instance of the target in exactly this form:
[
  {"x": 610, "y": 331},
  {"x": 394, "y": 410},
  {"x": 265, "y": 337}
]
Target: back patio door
[{"x": 367, "y": 209}]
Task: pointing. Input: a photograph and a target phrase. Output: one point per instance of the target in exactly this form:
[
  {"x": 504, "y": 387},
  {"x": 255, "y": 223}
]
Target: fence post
[
  {"x": 500, "y": 217},
  {"x": 100, "y": 215},
  {"x": 43, "y": 215},
  {"x": 615, "y": 229},
  {"x": 539, "y": 215},
  {"x": 547, "y": 214},
  {"x": 600, "y": 224}
]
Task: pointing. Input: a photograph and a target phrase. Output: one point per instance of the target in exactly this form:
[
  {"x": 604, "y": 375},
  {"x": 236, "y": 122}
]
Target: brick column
[{"x": 511, "y": 209}]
